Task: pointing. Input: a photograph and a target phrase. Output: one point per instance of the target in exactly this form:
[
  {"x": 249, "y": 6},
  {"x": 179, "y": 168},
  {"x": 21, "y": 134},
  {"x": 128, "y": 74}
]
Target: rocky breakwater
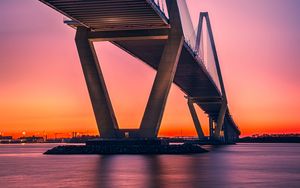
[{"x": 105, "y": 147}]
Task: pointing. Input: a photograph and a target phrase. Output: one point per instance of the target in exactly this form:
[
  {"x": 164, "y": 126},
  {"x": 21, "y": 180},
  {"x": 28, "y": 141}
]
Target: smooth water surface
[{"x": 241, "y": 165}]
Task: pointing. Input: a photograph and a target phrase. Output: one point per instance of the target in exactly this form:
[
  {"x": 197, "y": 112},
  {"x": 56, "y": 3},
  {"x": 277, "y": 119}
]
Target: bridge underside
[{"x": 142, "y": 29}]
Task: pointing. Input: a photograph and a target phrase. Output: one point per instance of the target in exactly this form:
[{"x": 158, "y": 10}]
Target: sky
[{"x": 42, "y": 88}]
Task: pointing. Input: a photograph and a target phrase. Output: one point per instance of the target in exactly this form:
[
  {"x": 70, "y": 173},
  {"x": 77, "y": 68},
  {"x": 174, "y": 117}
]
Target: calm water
[{"x": 241, "y": 165}]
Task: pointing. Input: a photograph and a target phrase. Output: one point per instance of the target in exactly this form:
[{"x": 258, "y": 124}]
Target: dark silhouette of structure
[{"x": 161, "y": 39}]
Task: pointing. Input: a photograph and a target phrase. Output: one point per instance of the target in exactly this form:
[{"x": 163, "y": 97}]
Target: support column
[
  {"x": 211, "y": 128},
  {"x": 165, "y": 74},
  {"x": 199, "y": 32},
  {"x": 105, "y": 117},
  {"x": 226, "y": 133},
  {"x": 220, "y": 120},
  {"x": 195, "y": 119}
]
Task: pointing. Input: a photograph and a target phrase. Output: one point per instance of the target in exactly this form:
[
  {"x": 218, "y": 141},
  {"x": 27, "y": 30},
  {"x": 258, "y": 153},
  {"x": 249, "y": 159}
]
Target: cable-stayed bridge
[{"x": 160, "y": 33}]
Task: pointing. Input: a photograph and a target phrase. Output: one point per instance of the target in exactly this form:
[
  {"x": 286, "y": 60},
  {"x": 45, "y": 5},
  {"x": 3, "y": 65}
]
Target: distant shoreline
[
  {"x": 294, "y": 139},
  {"x": 264, "y": 138},
  {"x": 239, "y": 141}
]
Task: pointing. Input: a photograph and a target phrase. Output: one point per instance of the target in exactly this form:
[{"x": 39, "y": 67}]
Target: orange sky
[{"x": 43, "y": 88}]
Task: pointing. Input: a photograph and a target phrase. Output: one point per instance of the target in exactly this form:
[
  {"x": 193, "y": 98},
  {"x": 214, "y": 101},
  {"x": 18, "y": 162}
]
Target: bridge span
[{"x": 160, "y": 34}]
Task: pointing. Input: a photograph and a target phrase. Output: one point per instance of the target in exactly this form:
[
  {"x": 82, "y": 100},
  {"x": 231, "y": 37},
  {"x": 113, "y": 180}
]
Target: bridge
[{"x": 159, "y": 33}]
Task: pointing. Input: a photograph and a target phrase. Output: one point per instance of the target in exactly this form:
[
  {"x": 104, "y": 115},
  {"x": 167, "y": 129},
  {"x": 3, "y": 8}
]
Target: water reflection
[
  {"x": 129, "y": 170},
  {"x": 161, "y": 171},
  {"x": 224, "y": 166},
  {"x": 243, "y": 165}
]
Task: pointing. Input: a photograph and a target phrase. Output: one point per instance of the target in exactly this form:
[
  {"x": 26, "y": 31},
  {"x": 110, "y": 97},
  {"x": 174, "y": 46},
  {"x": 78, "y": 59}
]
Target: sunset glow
[{"x": 43, "y": 89}]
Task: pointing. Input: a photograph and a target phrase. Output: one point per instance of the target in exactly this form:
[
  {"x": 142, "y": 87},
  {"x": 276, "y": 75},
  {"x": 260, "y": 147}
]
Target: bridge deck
[
  {"x": 102, "y": 15},
  {"x": 106, "y": 15}
]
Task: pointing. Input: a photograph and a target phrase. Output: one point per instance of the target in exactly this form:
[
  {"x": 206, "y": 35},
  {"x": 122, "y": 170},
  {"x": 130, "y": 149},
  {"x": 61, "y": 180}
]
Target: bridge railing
[
  {"x": 162, "y": 5},
  {"x": 188, "y": 29},
  {"x": 204, "y": 52}
]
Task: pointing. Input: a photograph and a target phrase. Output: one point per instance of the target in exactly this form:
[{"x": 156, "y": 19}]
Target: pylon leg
[
  {"x": 220, "y": 120},
  {"x": 165, "y": 74},
  {"x": 195, "y": 119},
  {"x": 103, "y": 110}
]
